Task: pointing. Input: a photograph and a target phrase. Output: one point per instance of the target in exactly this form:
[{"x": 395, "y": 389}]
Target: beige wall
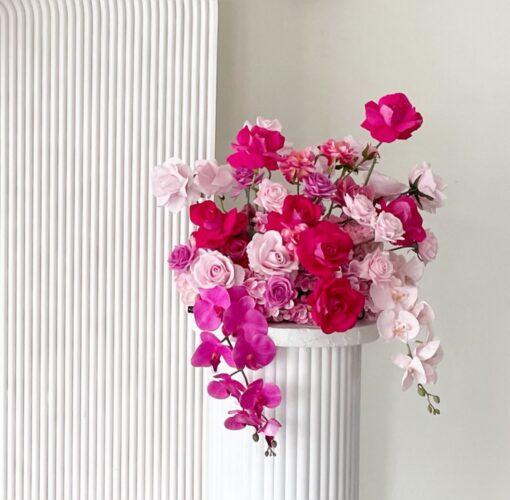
[{"x": 313, "y": 64}]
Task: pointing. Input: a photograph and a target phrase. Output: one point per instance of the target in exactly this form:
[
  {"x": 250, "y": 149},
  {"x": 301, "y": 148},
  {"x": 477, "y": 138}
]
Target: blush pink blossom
[
  {"x": 268, "y": 255},
  {"x": 173, "y": 186},
  {"x": 401, "y": 325},
  {"x": 211, "y": 351},
  {"x": 359, "y": 233},
  {"x": 376, "y": 267},
  {"x": 388, "y": 228},
  {"x": 384, "y": 185},
  {"x": 212, "y": 178},
  {"x": 348, "y": 151},
  {"x": 427, "y": 249},
  {"x": 393, "y": 296},
  {"x": 361, "y": 209},
  {"x": 270, "y": 196},
  {"x": 187, "y": 290},
  {"x": 213, "y": 269},
  {"x": 430, "y": 185}
]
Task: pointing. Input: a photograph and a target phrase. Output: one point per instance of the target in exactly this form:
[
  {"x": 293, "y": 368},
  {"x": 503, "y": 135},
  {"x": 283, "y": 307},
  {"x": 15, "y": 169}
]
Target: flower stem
[{"x": 374, "y": 161}]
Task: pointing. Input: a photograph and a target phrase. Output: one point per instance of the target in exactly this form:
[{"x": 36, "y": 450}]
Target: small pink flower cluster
[{"x": 333, "y": 244}]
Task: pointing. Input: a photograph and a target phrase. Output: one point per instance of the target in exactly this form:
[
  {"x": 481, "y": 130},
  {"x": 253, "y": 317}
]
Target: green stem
[{"x": 374, "y": 161}]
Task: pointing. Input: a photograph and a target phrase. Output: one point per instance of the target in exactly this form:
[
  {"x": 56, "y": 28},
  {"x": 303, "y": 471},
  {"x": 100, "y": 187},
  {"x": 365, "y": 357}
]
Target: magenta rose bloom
[
  {"x": 279, "y": 291},
  {"x": 256, "y": 147},
  {"x": 336, "y": 306},
  {"x": 324, "y": 248},
  {"x": 319, "y": 185},
  {"x": 181, "y": 257},
  {"x": 405, "y": 208},
  {"x": 297, "y": 209},
  {"x": 392, "y": 118}
]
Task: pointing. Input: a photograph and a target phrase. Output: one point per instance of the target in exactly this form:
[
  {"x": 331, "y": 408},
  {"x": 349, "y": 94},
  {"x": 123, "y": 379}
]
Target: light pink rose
[
  {"x": 214, "y": 269},
  {"x": 268, "y": 256},
  {"x": 385, "y": 186},
  {"x": 376, "y": 267},
  {"x": 256, "y": 288},
  {"x": 212, "y": 178},
  {"x": 360, "y": 208},
  {"x": 186, "y": 288},
  {"x": 388, "y": 228},
  {"x": 429, "y": 184},
  {"x": 172, "y": 185},
  {"x": 427, "y": 249},
  {"x": 270, "y": 196},
  {"x": 401, "y": 325}
]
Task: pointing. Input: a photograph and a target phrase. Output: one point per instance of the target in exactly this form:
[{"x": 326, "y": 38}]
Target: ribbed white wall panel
[{"x": 97, "y": 397}]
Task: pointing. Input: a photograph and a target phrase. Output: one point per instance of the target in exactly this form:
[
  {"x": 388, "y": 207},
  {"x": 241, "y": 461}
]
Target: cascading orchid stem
[{"x": 372, "y": 166}]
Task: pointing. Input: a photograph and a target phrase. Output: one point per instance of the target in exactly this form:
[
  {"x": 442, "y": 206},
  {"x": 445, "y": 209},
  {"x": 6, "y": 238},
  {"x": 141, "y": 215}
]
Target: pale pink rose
[
  {"x": 256, "y": 288},
  {"x": 401, "y": 325},
  {"x": 388, "y": 228},
  {"x": 268, "y": 256},
  {"x": 393, "y": 295},
  {"x": 376, "y": 267},
  {"x": 360, "y": 208},
  {"x": 270, "y": 124},
  {"x": 270, "y": 196},
  {"x": 212, "y": 178},
  {"x": 429, "y": 184},
  {"x": 213, "y": 269},
  {"x": 385, "y": 186},
  {"x": 172, "y": 185},
  {"x": 186, "y": 288},
  {"x": 427, "y": 249},
  {"x": 422, "y": 365}
]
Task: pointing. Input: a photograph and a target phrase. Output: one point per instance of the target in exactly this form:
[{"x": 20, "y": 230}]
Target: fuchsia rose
[
  {"x": 335, "y": 305},
  {"x": 297, "y": 209},
  {"x": 212, "y": 178},
  {"x": 235, "y": 248},
  {"x": 211, "y": 351},
  {"x": 392, "y": 118},
  {"x": 181, "y": 257},
  {"x": 279, "y": 292},
  {"x": 298, "y": 165},
  {"x": 172, "y": 185},
  {"x": 405, "y": 209},
  {"x": 215, "y": 227},
  {"x": 319, "y": 185},
  {"x": 256, "y": 147},
  {"x": 324, "y": 248},
  {"x": 270, "y": 196},
  {"x": 269, "y": 256}
]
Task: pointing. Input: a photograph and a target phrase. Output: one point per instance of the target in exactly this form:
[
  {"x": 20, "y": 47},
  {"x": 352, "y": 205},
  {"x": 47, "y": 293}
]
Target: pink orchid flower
[
  {"x": 253, "y": 351},
  {"x": 259, "y": 395},
  {"x": 224, "y": 386},
  {"x": 210, "y": 352},
  {"x": 270, "y": 429},
  {"x": 209, "y": 308},
  {"x": 421, "y": 366},
  {"x": 242, "y": 317},
  {"x": 241, "y": 418}
]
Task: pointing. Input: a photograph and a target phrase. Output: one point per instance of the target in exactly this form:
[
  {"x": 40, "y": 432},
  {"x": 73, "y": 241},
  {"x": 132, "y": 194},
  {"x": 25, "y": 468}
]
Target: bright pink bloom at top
[
  {"x": 215, "y": 227},
  {"x": 392, "y": 118},
  {"x": 297, "y": 165},
  {"x": 209, "y": 308},
  {"x": 224, "y": 386},
  {"x": 259, "y": 395},
  {"x": 256, "y": 147},
  {"x": 404, "y": 208},
  {"x": 210, "y": 352}
]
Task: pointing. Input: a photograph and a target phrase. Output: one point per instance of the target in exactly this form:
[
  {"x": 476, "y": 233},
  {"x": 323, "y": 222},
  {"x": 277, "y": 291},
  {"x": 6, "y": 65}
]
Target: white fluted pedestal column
[{"x": 318, "y": 446}]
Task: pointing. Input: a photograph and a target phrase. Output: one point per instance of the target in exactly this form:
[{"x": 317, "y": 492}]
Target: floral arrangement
[{"x": 329, "y": 243}]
